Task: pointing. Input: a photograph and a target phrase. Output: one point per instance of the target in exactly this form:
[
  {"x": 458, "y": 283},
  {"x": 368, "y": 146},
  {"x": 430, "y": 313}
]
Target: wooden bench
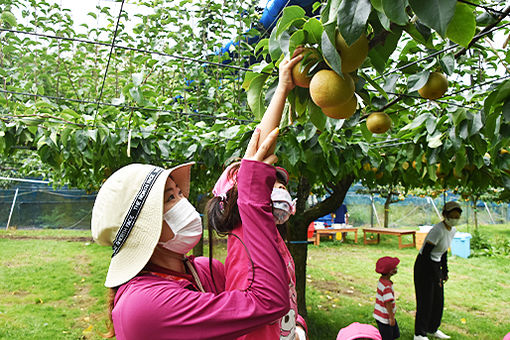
[
  {"x": 333, "y": 231},
  {"x": 389, "y": 231}
]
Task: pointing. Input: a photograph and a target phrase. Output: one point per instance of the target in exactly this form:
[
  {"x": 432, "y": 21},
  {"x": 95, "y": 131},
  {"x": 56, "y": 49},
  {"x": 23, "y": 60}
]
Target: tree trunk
[
  {"x": 475, "y": 210},
  {"x": 298, "y": 232},
  {"x": 299, "y": 228}
]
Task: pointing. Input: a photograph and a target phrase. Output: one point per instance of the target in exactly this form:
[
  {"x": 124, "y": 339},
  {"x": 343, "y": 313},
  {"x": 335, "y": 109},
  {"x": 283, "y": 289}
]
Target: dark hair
[
  {"x": 445, "y": 213},
  {"x": 222, "y": 212},
  {"x": 110, "y": 302},
  {"x": 280, "y": 178}
]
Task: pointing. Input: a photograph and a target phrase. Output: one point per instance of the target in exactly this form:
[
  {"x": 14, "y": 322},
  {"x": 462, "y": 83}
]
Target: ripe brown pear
[
  {"x": 328, "y": 89},
  {"x": 378, "y": 122},
  {"x": 436, "y": 86},
  {"x": 300, "y": 73},
  {"x": 354, "y": 55},
  {"x": 342, "y": 111}
]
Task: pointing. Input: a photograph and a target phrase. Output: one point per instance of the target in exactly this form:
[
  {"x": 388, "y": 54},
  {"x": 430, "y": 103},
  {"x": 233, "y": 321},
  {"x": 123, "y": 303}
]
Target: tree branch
[
  {"x": 332, "y": 202},
  {"x": 502, "y": 16}
]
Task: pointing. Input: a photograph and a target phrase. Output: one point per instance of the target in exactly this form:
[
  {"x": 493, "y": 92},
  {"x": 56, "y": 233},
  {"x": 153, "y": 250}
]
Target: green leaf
[
  {"x": 447, "y": 62},
  {"x": 384, "y": 20},
  {"x": 418, "y": 121},
  {"x": 418, "y": 35},
  {"x": 255, "y": 95},
  {"x": 434, "y": 141},
  {"x": 329, "y": 51},
  {"x": 506, "y": 111},
  {"x": 274, "y": 47},
  {"x": 313, "y": 28},
  {"x": 285, "y": 43},
  {"x": 262, "y": 44},
  {"x": 460, "y": 160},
  {"x": 296, "y": 39},
  {"x": 461, "y": 28},
  {"x": 352, "y": 19},
  {"x": 316, "y": 116},
  {"x": 417, "y": 81},
  {"x": 374, "y": 84},
  {"x": 137, "y": 79},
  {"x": 436, "y": 14},
  {"x": 329, "y": 13},
  {"x": 503, "y": 92},
  {"x": 380, "y": 54},
  {"x": 377, "y": 4},
  {"x": 290, "y": 14},
  {"x": 395, "y": 10},
  {"x": 9, "y": 18},
  {"x": 476, "y": 124},
  {"x": 367, "y": 135},
  {"x": 137, "y": 95}
]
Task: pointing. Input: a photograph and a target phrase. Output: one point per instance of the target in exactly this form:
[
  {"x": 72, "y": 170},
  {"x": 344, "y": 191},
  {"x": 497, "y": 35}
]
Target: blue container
[
  {"x": 326, "y": 219},
  {"x": 461, "y": 245}
]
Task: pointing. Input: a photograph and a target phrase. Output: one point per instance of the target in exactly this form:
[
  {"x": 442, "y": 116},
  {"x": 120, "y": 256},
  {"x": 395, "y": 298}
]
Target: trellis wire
[
  {"x": 488, "y": 9},
  {"x": 109, "y": 58},
  {"x": 162, "y": 54},
  {"x": 448, "y": 95},
  {"x": 438, "y": 52},
  {"x": 81, "y": 101}
]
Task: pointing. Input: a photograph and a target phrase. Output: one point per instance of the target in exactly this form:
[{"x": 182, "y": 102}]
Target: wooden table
[
  {"x": 389, "y": 231},
  {"x": 333, "y": 231}
]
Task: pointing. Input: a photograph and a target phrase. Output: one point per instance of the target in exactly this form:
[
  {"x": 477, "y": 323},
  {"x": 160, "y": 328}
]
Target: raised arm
[{"x": 273, "y": 114}]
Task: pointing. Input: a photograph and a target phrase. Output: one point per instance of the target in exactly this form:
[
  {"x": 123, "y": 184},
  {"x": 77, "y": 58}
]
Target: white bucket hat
[{"x": 132, "y": 197}]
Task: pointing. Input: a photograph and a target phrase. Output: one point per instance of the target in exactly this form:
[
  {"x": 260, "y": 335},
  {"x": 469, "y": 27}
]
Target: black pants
[
  {"x": 388, "y": 332},
  {"x": 429, "y": 298}
]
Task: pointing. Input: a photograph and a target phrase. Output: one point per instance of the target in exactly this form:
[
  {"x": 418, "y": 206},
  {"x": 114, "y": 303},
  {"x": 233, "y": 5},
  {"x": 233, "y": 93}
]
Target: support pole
[
  {"x": 489, "y": 212},
  {"x": 12, "y": 208},
  {"x": 435, "y": 208},
  {"x": 375, "y": 212}
]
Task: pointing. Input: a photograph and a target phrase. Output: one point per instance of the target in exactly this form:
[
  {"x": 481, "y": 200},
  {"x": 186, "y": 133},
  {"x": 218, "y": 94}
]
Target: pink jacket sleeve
[{"x": 165, "y": 310}]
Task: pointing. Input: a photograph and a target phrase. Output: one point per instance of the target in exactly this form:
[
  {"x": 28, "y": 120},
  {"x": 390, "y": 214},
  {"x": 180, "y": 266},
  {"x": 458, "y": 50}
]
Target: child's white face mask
[
  {"x": 186, "y": 224},
  {"x": 283, "y": 205}
]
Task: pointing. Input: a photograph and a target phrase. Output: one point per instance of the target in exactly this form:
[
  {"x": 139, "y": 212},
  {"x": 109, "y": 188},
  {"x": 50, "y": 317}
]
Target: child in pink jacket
[
  {"x": 239, "y": 268},
  {"x": 223, "y": 217}
]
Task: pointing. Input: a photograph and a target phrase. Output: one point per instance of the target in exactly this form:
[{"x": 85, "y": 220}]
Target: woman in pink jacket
[
  {"x": 223, "y": 216},
  {"x": 158, "y": 292}
]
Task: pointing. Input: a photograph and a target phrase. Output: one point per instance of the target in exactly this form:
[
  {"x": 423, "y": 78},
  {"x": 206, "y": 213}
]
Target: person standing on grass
[
  {"x": 431, "y": 272},
  {"x": 156, "y": 291},
  {"x": 384, "y": 310}
]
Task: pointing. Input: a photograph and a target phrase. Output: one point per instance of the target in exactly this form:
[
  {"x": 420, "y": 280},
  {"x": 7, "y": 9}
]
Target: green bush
[{"x": 492, "y": 247}]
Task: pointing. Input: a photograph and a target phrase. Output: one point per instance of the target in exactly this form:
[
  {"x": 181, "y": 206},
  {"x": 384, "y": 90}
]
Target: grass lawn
[{"x": 51, "y": 287}]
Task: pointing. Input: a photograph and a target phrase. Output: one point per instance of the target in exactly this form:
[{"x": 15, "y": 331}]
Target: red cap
[{"x": 386, "y": 264}]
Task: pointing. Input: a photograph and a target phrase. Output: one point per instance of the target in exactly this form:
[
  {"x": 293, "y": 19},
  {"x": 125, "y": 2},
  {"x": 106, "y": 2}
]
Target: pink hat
[
  {"x": 226, "y": 181},
  {"x": 386, "y": 264},
  {"x": 358, "y": 330},
  {"x": 507, "y": 336}
]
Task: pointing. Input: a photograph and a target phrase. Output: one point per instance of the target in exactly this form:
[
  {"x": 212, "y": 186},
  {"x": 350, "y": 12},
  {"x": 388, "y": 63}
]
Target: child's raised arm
[{"x": 273, "y": 114}]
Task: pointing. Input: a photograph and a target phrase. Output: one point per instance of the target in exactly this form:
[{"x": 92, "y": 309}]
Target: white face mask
[
  {"x": 452, "y": 221},
  {"x": 186, "y": 224},
  {"x": 283, "y": 205}
]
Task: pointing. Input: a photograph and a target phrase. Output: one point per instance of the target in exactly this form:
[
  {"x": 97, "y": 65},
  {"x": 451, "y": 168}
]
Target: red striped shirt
[{"x": 384, "y": 294}]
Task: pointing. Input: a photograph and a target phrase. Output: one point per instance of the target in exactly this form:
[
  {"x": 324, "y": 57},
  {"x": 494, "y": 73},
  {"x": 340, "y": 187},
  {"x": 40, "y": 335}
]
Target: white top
[{"x": 441, "y": 238}]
